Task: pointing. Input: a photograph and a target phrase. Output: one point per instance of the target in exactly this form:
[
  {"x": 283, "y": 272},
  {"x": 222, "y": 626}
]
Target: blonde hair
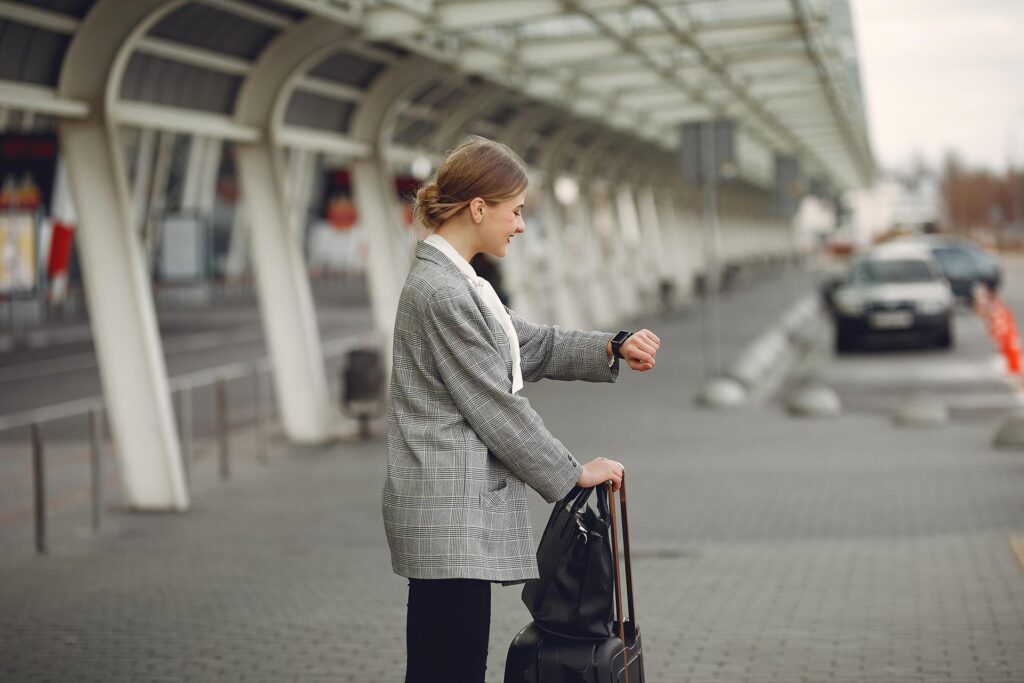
[{"x": 477, "y": 167}]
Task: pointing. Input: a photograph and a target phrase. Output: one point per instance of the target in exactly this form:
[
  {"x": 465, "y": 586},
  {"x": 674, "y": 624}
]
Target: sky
[{"x": 942, "y": 75}]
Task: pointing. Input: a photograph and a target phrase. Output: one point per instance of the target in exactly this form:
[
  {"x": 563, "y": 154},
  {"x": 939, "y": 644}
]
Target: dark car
[
  {"x": 966, "y": 265},
  {"x": 894, "y": 290}
]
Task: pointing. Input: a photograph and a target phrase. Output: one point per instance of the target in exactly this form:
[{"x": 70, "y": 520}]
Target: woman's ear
[{"x": 476, "y": 209}]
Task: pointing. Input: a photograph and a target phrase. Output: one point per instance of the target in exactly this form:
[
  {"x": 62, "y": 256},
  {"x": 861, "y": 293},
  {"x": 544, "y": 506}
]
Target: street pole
[{"x": 712, "y": 281}]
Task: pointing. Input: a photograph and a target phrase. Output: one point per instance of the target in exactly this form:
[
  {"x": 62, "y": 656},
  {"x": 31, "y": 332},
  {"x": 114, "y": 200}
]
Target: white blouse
[{"x": 490, "y": 299}]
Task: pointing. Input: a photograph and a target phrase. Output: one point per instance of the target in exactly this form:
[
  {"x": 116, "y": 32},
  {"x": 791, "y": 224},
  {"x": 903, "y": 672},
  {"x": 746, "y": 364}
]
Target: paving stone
[{"x": 766, "y": 550}]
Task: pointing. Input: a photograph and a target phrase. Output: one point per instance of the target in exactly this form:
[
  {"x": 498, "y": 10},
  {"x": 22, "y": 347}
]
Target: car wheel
[
  {"x": 944, "y": 340},
  {"x": 844, "y": 342}
]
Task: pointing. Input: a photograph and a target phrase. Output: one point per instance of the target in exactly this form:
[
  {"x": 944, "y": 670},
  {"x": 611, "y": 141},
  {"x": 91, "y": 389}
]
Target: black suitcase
[{"x": 539, "y": 657}]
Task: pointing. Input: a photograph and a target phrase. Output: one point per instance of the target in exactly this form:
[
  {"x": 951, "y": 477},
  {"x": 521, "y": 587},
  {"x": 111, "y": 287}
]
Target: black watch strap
[{"x": 618, "y": 340}]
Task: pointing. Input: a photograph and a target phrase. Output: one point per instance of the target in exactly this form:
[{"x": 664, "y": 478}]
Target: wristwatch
[{"x": 618, "y": 340}]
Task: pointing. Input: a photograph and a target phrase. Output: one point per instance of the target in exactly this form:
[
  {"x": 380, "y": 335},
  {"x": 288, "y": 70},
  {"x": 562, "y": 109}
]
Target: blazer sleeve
[
  {"x": 552, "y": 352},
  {"x": 476, "y": 376}
]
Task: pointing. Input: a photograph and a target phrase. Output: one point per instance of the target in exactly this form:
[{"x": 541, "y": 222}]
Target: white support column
[
  {"x": 632, "y": 283},
  {"x": 282, "y": 281},
  {"x": 591, "y": 292},
  {"x": 28, "y": 121},
  {"x": 143, "y": 176},
  {"x": 373, "y": 185},
  {"x": 388, "y": 256},
  {"x": 609, "y": 245},
  {"x": 300, "y": 177},
  {"x": 564, "y": 266},
  {"x": 566, "y": 306},
  {"x": 125, "y": 332},
  {"x": 653, "y": 246},
  {"x": 519, "y": 273},
  {"x": 527, "y": 255},
  {"x": 193, "y": 172},
  {"x": 206, "y": 197},
  {"x": 677, "y": 248},
  {"x": 238, "y": 249},
  {"x": 688, "y": 210},
  {"x": 157, "y": 191},
  {"x": 200, "y": 188},
  {"x": 600, "y": 285},
  {"x": 578, "y": 245},
  {"x": 286, "y": 303}
]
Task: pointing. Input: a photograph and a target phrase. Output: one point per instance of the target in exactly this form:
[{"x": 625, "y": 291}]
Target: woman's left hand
[{"x": 640, "y": 350}]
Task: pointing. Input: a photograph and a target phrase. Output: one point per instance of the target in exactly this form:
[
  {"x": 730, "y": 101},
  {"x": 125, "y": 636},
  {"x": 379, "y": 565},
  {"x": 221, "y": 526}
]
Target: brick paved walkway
[{"x": 766, "y": 549}]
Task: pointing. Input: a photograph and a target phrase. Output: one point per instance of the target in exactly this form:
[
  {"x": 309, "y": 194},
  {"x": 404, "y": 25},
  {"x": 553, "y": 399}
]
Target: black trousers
[{"x": 447, "y": 630}]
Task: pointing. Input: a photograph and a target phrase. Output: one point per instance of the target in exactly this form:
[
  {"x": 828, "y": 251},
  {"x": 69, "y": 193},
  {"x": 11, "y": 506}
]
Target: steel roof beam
[
  {"x": 715, "y": 108},
  {"x": 176, "y": 119},
  {"x": 40, "y": 100},
  {"x": 564, "y": 51},
  {"x": 251, "y": 12},
  {"x": 738, "y": 91},
  {"x": 194, "y": 56},
  {"x": 766, "y": 21},
  {"x": 37, "y": 18},
  {"x": 855, "y": 143},
  {"x": 388, "y": 23}
]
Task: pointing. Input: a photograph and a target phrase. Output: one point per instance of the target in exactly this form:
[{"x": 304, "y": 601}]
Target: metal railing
[{"x": 183, "y": 389}]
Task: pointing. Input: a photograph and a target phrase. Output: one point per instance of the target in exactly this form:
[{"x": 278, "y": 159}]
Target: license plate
[{"x": 892, "y": 320}]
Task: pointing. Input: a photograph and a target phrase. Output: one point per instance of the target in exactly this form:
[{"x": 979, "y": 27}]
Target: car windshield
[
  {"x": 956, "y": 260},
  {"x": 890, "y": 271}
]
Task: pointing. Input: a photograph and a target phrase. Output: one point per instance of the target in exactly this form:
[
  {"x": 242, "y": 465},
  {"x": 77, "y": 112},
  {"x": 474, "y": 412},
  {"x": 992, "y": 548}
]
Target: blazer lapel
[{"x": 429, "y": 253}]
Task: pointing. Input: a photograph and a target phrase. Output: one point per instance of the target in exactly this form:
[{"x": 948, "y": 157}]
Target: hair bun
[
  {"x": 426, "y": 208},
  {"x": 477, "y": 167}
]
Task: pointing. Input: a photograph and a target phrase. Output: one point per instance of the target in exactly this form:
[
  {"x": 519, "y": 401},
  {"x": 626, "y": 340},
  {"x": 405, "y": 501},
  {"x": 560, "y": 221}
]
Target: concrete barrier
[{"x": 1010, "y": 435}]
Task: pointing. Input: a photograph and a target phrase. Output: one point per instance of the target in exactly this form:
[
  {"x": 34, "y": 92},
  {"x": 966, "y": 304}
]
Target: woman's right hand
[{"x": 600, "y": 470}]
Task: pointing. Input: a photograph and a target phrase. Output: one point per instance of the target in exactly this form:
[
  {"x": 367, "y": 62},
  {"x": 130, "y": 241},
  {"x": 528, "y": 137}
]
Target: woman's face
[{"x": 501, "y": 222}]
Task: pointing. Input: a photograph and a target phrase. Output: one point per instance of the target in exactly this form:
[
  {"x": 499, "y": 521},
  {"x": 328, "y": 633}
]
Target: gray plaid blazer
[{"x": 461, "y": 446}]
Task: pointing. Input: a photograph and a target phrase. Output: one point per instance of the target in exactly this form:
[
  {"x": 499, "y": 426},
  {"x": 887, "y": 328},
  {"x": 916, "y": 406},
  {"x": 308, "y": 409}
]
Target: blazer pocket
[{"x": 490, "y": 500}]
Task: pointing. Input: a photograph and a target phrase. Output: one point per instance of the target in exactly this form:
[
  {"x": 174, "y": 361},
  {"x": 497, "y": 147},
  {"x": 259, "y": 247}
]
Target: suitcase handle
[{"x": 629, "y": 568}]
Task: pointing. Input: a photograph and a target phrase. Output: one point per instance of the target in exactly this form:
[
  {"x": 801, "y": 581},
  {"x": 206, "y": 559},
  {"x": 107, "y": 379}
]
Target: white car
[{"x": 894, "y": 289}]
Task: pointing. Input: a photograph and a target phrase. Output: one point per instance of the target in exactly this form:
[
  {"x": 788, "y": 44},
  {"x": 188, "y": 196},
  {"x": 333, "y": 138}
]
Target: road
[
  {"x": 971, "y": 378},
  {"x": 766, "y": 548}
]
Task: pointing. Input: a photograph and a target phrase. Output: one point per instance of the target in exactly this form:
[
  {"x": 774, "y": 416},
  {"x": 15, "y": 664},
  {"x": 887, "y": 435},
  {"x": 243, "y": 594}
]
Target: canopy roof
[{"x": 784, "y": 70}]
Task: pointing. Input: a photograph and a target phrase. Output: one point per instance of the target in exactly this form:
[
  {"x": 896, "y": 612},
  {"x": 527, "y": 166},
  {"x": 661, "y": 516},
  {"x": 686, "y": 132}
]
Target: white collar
[{"x": 446, "y": 248}]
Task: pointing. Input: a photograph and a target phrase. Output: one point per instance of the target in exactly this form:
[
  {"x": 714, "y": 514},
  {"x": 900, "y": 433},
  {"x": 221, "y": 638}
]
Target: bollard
[
  {"x": 39, "y": 479},
  {"x": 96, "y": 465},
  {"x": 262, "y": 445},
  {"x": 185, "y": 427},
  {"x": 222, "y": 429}
]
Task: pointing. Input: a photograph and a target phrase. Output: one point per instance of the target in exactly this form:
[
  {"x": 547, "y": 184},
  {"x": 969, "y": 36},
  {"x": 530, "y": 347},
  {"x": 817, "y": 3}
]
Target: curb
[
  {"x": 39, "y": 339},
  {"x": 768, "y": 360}
]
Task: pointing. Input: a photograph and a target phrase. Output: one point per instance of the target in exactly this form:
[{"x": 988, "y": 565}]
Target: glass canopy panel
[
  {"x": 215, "y": 30},
  {"x": 74, "y": 8},
  {"x": 350, "y": 69},
  {"x": 30, "y": 55},
  {"x": 162, "y": 81},
  {"x": 313, "y": 111}
]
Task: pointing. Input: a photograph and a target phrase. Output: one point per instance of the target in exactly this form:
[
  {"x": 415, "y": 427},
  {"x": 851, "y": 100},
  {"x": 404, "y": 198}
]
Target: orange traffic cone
[
  {"x": 1012, "y": 353},
  {"x": 1011, "y": 345}
]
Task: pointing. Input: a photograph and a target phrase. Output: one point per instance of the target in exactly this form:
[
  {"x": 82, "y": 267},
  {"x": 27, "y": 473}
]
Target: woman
[{"x": 462, "y": 443}]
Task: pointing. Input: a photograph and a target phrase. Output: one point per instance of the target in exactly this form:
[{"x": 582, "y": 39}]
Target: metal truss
[{"x": 639, "y": 67}]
